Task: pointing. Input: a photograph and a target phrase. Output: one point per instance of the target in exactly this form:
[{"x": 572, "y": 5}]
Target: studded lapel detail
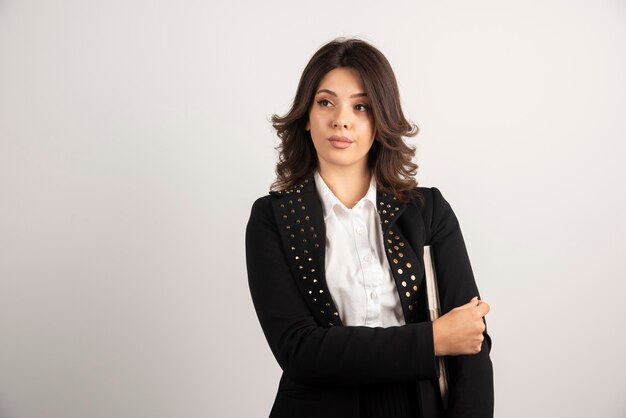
[
  {"x": 299, "y": 216},
  {"x": 407, "y": 267},
  {"x": 300, "y": 220}
]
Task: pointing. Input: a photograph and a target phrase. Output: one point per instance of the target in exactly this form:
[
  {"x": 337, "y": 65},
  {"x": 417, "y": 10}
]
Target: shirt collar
[{"x": 329, "y": 200}]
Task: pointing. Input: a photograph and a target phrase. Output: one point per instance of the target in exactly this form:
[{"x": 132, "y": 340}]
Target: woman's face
[{"x": 340, "y": 121}]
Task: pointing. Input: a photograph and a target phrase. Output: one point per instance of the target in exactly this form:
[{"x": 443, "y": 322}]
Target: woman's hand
[{"x": 460, "y": 331}]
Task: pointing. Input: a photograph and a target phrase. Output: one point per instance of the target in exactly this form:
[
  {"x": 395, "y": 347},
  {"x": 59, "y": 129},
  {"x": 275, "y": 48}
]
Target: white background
[{"x": 134, "y": 137}]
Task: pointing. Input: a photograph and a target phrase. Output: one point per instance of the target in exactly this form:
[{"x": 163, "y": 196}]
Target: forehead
[{"x": 343, "y": 80}]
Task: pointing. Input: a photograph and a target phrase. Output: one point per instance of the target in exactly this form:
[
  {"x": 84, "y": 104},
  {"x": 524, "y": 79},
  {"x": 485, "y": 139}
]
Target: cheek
[
  {"x": 315, "y": 130},
  {"x": 317, "y": 120},
  {"x": 368, "y": 129}
]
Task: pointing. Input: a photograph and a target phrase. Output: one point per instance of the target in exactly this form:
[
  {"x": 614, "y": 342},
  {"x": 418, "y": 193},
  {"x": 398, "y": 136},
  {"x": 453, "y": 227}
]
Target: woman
[{"x": 335, "y": 258}]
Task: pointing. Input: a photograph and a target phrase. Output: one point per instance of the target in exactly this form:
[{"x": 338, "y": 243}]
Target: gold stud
[
  {"x": 408, "y": 265},
  {"x": 395, "y": 247},
  {"x": 389, "y": 250},
  {"x": 408, "y": 294},
  {"x": 412, "y": 276},
  {"x": 415, "y": 288},
  {"x": 401, "y": 244},
  {"x": 389, "y": 241},
  {"x": 395, "y": 260},
  {"x": 400, "y": 271},
  {"x": 403, "y": 284},
  {"x": 400, "y": 255},
  {"x": 397, "y": 237},
  {"x": 410, "y": 307}
]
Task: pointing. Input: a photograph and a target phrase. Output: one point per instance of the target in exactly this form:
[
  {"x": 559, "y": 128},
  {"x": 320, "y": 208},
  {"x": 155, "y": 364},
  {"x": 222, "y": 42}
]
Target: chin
[{"x": 343, "y": 162}]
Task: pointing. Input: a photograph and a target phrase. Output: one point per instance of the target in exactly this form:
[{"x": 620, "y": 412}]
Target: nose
[
  {"x": 341, "y": 119},
  {"x": 341, "y": 123}
]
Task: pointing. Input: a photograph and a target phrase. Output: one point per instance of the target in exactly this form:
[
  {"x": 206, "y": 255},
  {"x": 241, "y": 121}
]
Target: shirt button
[
  {"x": 374, "y": 295},
  {"x": 358, "y": 230},
  {"x": 367, "y": 258}
]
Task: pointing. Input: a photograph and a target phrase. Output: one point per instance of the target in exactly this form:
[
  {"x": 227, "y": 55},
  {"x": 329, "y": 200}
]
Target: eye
[
  {"x": 324, "y": 103},
  {"x": 362, "y": 108}
]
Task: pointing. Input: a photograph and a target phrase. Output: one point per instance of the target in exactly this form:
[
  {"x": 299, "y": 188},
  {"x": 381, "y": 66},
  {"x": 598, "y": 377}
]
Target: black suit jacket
[{"x": 324, "y": 363}]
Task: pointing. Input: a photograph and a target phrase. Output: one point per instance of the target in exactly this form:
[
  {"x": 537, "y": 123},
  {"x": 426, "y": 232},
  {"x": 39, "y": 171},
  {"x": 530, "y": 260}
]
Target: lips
[{"x": 340, "y": 141}]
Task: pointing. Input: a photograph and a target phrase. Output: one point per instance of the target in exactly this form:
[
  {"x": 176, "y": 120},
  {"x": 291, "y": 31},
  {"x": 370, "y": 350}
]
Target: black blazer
[{"x": 324, "y": 363}]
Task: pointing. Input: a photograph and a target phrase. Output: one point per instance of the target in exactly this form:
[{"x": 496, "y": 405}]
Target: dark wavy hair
[{"x": 390, "y": 158}]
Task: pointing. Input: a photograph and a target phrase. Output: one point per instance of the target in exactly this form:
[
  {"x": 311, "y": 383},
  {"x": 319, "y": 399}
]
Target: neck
[{"x": 349, "y": 184}]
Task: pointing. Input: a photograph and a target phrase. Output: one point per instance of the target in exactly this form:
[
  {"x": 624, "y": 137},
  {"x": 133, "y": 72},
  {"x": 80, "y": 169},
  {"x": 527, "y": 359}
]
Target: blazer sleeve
[
  {"x": 470, "y": 376},
  {"x": 314, "y": 354}
]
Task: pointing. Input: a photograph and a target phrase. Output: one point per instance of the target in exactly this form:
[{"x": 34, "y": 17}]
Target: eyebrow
[{"x": 332, "y": 93}]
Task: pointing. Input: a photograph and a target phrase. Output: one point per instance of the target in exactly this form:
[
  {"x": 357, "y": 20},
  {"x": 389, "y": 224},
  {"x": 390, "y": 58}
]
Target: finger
[
  {"x": 483, "y": 308},
  {"x": 471, "y": 304}
]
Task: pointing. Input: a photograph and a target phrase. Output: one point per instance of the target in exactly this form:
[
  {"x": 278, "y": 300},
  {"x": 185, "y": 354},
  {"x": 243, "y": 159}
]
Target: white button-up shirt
[{"x": 357, "y": 271}]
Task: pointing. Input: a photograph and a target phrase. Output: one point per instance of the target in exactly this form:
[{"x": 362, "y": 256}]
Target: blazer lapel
[
  {"x": 407, "y": 265},
  {"x": 300, "y": 220}
]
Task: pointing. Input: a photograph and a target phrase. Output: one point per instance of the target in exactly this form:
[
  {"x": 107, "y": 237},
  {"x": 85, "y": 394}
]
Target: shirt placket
[{"x": 371, "y": 271}]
